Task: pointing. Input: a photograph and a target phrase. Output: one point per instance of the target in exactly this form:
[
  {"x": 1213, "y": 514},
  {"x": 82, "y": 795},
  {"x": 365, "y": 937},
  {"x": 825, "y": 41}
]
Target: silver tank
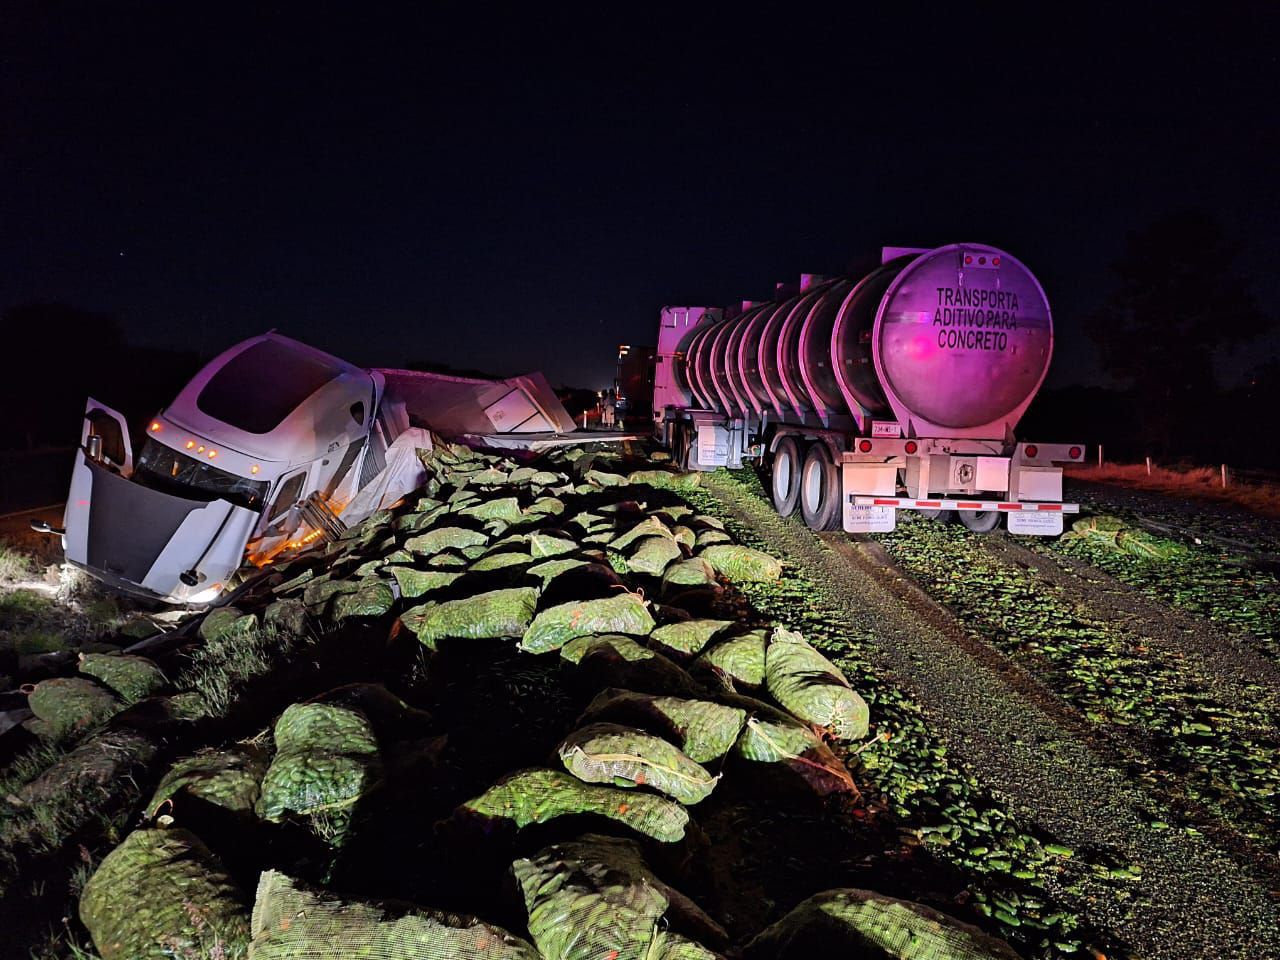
[{"x": 951, "y": 342}]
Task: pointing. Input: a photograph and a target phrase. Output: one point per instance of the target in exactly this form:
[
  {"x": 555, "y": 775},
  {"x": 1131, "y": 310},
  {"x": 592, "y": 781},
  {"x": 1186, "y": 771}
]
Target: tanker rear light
[
  {"x": 864, "y": 446},
  {"x": 155, "y": 426},
  {"x": 1031, "y": 451},
  {"x": 1075, "y": 453},
  {"x": 910, "y": 446}
]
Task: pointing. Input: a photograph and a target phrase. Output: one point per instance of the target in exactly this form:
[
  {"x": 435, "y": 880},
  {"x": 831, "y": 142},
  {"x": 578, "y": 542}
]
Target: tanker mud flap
[
  {"x": 865, "y": 518},
  {"x": 710, "y": 448},
  {"x": 859, "y": 482},
  {"x": 1036, "y": 523}
]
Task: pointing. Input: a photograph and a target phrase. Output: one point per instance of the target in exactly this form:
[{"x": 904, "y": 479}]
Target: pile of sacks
[{"x": 562, "y": 560}]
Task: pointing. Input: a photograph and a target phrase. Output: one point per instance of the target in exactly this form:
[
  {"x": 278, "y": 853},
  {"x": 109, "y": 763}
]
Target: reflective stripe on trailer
[{"x": 904, "y": 503}]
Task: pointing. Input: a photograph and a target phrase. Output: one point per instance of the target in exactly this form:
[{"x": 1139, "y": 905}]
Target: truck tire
[
  {"x": 788, "y": 462},
  {"x": 820, "y": 489},
  {"x": 980, "y": 521}
]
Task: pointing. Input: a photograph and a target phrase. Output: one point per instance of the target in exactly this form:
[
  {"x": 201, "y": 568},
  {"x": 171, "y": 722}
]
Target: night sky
[{"x": 518, "y": 190}]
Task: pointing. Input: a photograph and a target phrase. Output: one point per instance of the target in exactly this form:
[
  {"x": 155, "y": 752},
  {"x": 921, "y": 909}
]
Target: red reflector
[
  {"x": 911, "y": 446},
  {"x": 1032, "y": 450},
  {"x": 995, "y": 261},
  {"x": 1074, "y": 453},
  {"x": 929, "y": 504},
  {"x": 1010, "y": 506},
  {"x": 982, "y": 259},
  {"x": 968, "y": 259},
  {"x": 968, "y": 506},
  {"x": 1049, "y": 506},
  {"x": 864, "y": 446},
  {"x": 885, "y": 503}
]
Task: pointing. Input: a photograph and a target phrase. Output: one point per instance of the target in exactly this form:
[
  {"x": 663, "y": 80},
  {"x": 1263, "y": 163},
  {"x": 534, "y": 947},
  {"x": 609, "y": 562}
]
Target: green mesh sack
[
  {"x": 627, "y": 757},
  {"x": 1114, "y": 534},
  {"x": 538, "y": 796},
  {"x": 446, "y": 560},
  {"x": 501, "y": 561},
  {"x": 595, "y": 898},
  {"x": 812, "y": 687},
  {"x": 373, "y": 599},
  {"x": 625, "y": 647},
  {"x": 522, "y": 475},
  {"x": 554, "y": 627},
  {"x": 704, "y": 730},
  {"x": 602, "y": 478},
  {"x": 548, "y": 570},
  {"x": 665, "y": 479},
  {"x": 162, "y": 894},
  {"x": 71, "y": 705},
  {"x": 295, "y": 584},
  {"x": 707, "y": 538},
  {"x": 770, "y": 736},
  {"x": 414, "y": 583},
  {"x": 694, "y": 572},
  {"x": 649, "y": 527},
  {"x": 504, "y": 508},
  {"x": 683, "y": 535},
  {"x": 225, "y": 621},
  {"x": 741, "y": 563},
  {"x": 326, "y": 760},
  {"x": 295, "y": 921},
  {"x": 498, "y": 613},
  {"x": 740, "y": 659},
  {"x": 652, "y": 555},
  {"x": 543, "y": 545},
  {"x": 859, "y": 923},
  {"x": 546, "y": 506},
  {"x": 618, "y": 661},
  {"x": 230, "y": 778},
  {"x": 445, "y": 538},
  {"x": 319, "y": 592},
  {"x": 286, "y": 616},
  {"x": 132, "y": 678},
  {"x": 687, "y": 637}
]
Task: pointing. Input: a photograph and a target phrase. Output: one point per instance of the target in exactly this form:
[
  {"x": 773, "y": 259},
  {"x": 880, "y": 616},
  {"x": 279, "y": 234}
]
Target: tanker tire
[
  {"x": 787, "y": 462},
  {"x": 820, "y": 489},
  {"x": 980, "y": 521}
]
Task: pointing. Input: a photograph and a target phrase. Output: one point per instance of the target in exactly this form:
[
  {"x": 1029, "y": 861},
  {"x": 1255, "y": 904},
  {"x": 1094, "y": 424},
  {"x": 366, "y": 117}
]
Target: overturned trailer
[{"x": 272, "y": 446}]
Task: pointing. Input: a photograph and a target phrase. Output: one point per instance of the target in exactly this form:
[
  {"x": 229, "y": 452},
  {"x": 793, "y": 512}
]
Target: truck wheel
[
  {"x": 980, "y": 521},
  {"x": 820, "y": 489},
  {"x": 787, "y": 464}
]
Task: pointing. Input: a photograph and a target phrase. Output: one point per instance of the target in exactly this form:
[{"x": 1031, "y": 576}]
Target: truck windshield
[{"x": 165, "y": 469}]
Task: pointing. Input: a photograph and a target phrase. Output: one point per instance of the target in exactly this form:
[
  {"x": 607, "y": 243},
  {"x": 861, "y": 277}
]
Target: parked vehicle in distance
[
  {"x": 866, "y": 395},
  {"x": 272, "y": 446}
]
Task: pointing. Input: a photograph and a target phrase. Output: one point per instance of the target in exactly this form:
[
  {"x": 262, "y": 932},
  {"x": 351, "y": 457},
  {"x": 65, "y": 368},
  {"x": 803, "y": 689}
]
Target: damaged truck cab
[{"x": 267, "y": 427}]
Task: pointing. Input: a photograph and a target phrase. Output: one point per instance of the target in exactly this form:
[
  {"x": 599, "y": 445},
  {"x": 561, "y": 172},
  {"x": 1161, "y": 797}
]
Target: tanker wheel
[
  {"x": 787, "y": 465},
  {"x": 940, "y": 515},
  {"x": 980, "y": 521},
  {"x": 682, "y": 443},
  {"x": 820, "y": 489}
]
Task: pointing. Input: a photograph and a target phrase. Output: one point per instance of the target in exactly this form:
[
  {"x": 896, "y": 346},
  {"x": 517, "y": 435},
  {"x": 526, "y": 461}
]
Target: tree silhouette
[{"x": 1178, "y": 301}]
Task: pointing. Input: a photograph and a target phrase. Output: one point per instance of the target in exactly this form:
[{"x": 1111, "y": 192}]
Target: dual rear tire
[{"x": 807, "y": 478}]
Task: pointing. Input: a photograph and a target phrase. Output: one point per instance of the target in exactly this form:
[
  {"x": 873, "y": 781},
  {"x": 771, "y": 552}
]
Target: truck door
[{"x": 111, "y": 445}]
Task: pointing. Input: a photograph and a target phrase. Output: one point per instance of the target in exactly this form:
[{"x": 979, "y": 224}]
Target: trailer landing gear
[{"x": 820, "y": 489}]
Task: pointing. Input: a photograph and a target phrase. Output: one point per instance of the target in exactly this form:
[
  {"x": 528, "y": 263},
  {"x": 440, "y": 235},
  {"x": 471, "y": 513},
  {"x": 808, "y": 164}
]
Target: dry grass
[{"x": 1201, "y": 483}]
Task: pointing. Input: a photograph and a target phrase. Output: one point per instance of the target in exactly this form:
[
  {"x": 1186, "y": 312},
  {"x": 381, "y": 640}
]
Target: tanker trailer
[{"x": 864, "y": 395}]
